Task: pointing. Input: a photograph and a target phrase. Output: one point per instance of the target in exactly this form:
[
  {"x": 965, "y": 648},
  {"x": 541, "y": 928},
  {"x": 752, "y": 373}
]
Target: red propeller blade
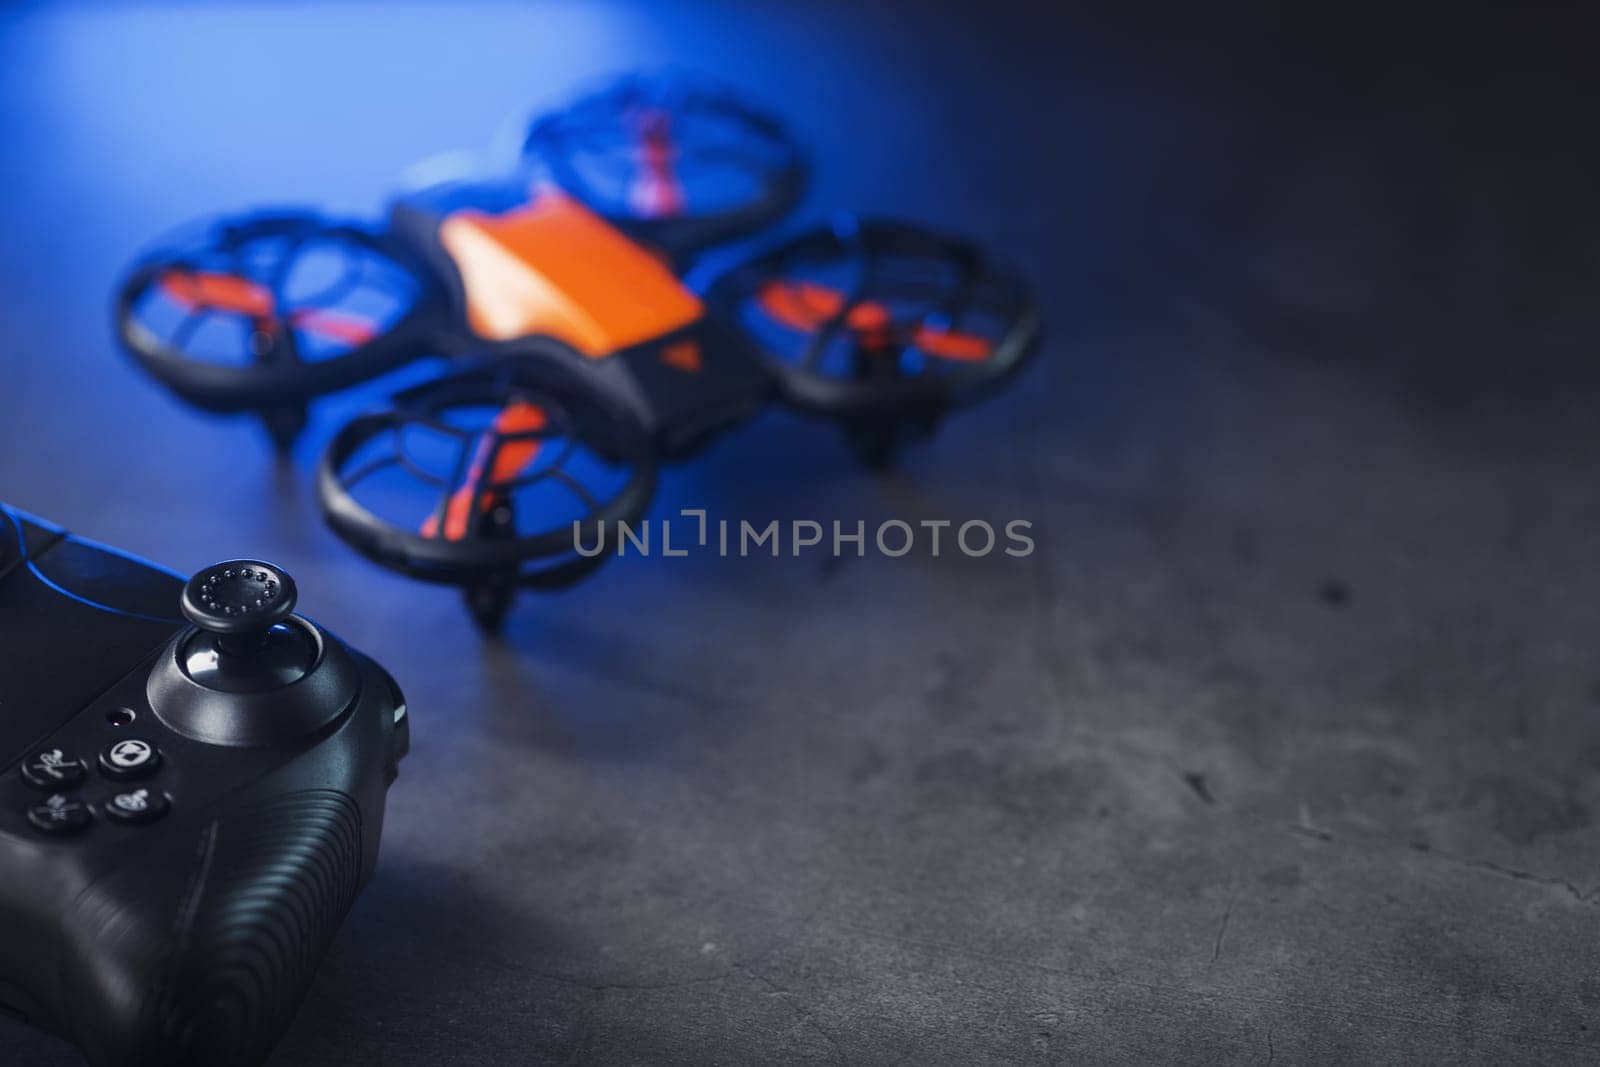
[
  {"x": 217, "y": 291},
  {"x": 952, "y": 344},
  {"x": 334, "y": 325},
  {"x": 806, "y": 306},
  {"x": 513, "y": 457},
  {"x": 214, "y": 291},
  {"x": 802, "y": 306},
  {"x": 656, "y": 192}
]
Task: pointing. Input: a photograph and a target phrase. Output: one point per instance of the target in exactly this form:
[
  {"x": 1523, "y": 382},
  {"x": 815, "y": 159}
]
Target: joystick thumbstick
[
  {"x": 248, "y": 639},
  {"x": 251, "y": 671},
  {"x": 239, "y": 597}
]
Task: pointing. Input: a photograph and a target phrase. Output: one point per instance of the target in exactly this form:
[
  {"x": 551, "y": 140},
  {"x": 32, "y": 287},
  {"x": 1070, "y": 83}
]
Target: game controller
[
  {"x": 587, "y": 334},
  {"x": 193, "y": 796}
]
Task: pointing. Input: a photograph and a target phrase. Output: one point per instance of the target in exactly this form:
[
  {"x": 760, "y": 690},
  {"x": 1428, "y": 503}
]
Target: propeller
[
  {"x": 809, "y": 306},
  {"x": 261, "y": 312},
  {"x": 197, "y": 291},
  {"x": 882, "y": 325},
  {"x": 495, "y": 461},
  {"x": 486, "y": 478},
  {"x": 656, "y": 192},
  {"x": 200, "y": 290},
  {"x": 679, "y": 163}
]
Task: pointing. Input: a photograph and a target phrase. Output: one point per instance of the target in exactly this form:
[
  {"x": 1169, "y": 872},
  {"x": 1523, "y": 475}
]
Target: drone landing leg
[
  {"x": 875, "y": 441},
  {"x": 489, "y": 600},
  {"x": 284, "y": 426},
  {"x": 488, "y": 603},
  {"x": 874, "y": 444}
]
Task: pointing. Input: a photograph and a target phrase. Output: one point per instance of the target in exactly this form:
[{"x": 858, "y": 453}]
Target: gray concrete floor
[{"x": 1281, "y": 747}]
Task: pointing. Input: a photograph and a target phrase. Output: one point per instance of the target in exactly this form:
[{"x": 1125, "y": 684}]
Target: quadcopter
[{"x": 586, "y": 328}]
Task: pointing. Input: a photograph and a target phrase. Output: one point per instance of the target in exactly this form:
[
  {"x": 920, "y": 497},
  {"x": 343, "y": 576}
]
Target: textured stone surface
[{"x": 1281, "y": 747}]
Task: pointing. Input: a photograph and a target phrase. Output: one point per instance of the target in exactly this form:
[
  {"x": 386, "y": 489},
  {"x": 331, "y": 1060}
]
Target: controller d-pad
[
  {"x": 53, "y": 769},
  {"x": 60, "y": 815},
  {"x": 137, "y": 807},
  {"x": 132, "y": 757}
]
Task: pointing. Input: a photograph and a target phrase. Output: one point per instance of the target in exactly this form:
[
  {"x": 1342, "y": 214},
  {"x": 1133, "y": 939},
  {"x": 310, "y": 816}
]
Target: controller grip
[{"x": 200, "y": 950}]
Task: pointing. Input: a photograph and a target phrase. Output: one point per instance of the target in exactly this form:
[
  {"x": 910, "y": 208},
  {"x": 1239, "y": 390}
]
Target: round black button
[
  {"x": 53, "y": 769},
  {"x": 239, "y": 596},
  {"x": 132, "y": 757},
  {"x": 137, "y": 807},
  {"x": 60, "y": 815}
]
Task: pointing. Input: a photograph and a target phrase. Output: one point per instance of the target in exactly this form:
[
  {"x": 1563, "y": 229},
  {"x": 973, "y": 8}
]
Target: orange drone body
[{"x": 552, "y": 267}]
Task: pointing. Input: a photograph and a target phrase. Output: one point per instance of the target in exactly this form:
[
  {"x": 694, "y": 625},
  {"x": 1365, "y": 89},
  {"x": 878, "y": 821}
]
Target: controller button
[
  {"x": 60, "y": 815},
  {"x": 54, "y": 770},
  {"x": 131, "y": 757},
  {"x": 137, "y": 807}
]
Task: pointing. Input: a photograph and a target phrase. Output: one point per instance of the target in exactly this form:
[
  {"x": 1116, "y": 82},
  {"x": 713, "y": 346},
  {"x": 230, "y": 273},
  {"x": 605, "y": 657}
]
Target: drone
[{"x": 592, "y": 322}]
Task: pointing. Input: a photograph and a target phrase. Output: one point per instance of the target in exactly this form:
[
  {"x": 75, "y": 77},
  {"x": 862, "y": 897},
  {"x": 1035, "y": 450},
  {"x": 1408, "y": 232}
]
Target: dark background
[{"x": 1282, "y": 746}]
